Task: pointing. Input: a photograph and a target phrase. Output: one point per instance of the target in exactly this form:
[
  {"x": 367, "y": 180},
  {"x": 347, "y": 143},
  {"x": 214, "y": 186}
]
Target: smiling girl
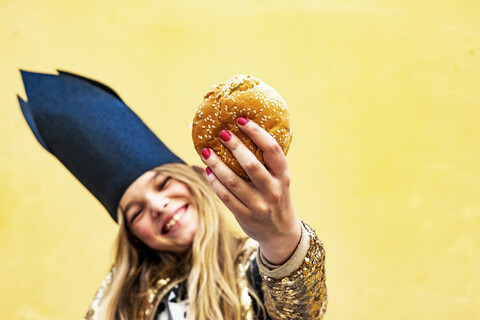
[{"x": 176, "y": 257}]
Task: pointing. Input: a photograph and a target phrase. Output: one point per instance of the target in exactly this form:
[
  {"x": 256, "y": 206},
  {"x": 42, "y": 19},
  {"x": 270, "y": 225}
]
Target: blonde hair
[{"x": 213, "y": 290}]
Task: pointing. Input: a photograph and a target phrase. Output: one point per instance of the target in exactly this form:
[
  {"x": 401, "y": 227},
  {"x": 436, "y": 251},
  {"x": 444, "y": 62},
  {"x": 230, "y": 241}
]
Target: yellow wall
[{"x": 385, "y": 101}]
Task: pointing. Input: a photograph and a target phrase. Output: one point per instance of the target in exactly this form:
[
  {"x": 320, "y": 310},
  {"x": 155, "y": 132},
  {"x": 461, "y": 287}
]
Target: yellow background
[{"x": 384, "y": 97}]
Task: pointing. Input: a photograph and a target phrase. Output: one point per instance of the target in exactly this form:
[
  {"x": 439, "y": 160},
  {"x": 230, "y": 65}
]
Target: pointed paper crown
[{"x": 86, "y": 125}]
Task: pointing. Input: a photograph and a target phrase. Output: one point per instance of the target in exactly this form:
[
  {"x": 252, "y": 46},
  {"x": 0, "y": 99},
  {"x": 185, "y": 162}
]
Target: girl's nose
[{"x": 159, "y": 205}]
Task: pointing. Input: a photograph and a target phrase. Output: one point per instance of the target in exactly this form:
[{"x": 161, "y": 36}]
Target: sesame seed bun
[{"x": 241, "y": 96}]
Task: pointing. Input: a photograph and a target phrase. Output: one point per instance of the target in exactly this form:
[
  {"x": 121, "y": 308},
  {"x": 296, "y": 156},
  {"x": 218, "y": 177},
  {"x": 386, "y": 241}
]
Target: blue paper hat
[{"x": 92, "y": 132}]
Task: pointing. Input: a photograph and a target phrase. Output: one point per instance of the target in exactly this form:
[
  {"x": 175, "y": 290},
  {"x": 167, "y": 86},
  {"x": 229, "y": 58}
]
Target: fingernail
[
  {"x": 208, "y": 171},
  {"x": 242, "y": 121},
  {"x": 225, "y": 135},
  {"x": 206, "y": 153}
]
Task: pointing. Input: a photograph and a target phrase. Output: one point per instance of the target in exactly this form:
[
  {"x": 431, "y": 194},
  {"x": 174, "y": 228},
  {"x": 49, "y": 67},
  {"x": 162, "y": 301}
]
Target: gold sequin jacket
[{"x": 294, "y": 290}]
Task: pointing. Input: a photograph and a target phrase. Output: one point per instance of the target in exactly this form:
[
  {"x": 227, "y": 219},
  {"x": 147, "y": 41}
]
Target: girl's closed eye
[
  {"x": 135, "y": 215},
  {"x": 164, "y": 183}
]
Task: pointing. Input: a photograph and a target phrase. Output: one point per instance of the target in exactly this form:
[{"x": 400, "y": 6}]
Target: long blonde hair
[{"x": 213, "y": 290}]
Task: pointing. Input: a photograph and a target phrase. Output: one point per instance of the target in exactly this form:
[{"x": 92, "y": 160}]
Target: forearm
[{"x": 297, "y": 289}]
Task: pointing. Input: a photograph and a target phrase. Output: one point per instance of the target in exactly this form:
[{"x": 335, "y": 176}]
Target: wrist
[{"x": 277, "y": 249}]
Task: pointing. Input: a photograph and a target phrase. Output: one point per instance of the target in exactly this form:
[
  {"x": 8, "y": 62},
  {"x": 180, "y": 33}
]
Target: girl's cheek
[{"x": 144, "y": 232}]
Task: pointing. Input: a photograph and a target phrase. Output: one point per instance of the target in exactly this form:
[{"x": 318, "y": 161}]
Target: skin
[
  {"x": 263, "y": 208},
  {"x": 150, "y": 202}
]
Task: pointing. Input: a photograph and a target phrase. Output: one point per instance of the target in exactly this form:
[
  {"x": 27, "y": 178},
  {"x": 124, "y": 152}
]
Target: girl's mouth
[{"x": 172, "y": 220}]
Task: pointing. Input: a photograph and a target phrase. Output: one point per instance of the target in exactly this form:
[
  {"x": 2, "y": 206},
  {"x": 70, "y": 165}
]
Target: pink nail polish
[
  {"x": 242, "y": 121},
  {"x": 206, "y": 153},
  {"x": 225, "y": 135},
  {"x": 208, "y": 171}
]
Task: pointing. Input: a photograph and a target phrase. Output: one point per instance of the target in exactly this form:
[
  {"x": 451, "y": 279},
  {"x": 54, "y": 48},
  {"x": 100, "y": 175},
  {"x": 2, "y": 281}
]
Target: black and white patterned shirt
[{"x": 174, "y": 305}]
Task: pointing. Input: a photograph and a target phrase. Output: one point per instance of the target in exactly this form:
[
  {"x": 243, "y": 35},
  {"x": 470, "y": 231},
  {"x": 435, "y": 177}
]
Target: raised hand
[{"x": 262, "y": 207}]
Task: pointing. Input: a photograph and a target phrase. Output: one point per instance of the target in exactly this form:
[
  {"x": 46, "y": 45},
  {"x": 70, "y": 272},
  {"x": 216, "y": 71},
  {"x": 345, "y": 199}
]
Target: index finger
[{"x": 272, "y": 152}]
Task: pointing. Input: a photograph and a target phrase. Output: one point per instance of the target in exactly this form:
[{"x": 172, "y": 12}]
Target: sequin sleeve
[
  {"x": 302, "y": 294},
  {"x": 92, "y": 313}
]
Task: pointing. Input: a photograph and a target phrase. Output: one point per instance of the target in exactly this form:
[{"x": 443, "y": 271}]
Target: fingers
[
  {"x": 255, "y": 170},
  {"x": 272, "y": 152},
  {"x": 235, "y": 192},
  {"x": 232, "y": 190}
]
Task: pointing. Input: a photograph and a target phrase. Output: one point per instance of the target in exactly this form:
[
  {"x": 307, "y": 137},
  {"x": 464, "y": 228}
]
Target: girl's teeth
[{"x": 173, "y": 221}]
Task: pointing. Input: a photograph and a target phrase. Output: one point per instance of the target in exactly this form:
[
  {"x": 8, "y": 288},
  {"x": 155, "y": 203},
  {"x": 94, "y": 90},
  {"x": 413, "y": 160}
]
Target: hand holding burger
[{"x": 242, "y": 132}]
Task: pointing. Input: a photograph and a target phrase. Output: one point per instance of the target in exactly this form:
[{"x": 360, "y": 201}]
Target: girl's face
[{"x": 161, "y": 212}]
